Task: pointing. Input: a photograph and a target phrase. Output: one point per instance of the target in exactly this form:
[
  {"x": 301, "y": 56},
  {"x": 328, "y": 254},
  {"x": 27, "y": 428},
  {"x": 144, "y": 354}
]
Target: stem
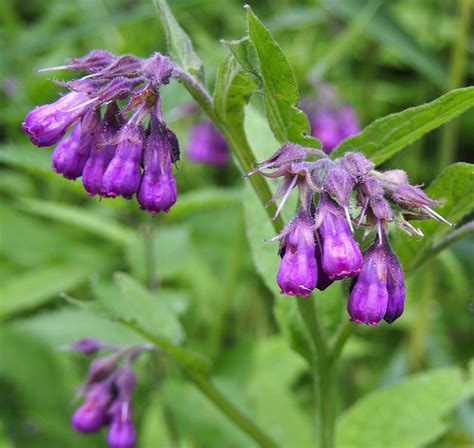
[
  {"x": 313, "y": 326},
  {"x": 327, "y": 403},
  {"x": 205, "y": 385},
  {"x": 345, "y": 330},
  {"x": 456, "y": 79}
]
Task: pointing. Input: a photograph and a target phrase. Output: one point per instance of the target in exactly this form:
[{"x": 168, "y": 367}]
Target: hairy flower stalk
[
  {"x": 107, "y": 392},
  {"x": 318, "y": 246},
  {"x": 115, "y": 115}
]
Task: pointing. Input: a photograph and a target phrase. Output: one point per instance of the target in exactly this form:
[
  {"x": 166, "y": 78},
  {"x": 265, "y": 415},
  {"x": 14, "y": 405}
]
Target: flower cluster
[
  {"x": 207, "y": 145},
  {"x": 318, "y": 247},
  {"x": 107, "y": 393},
  {"x": 331, "y": 121},
  {"x": 119, "y": 142}
]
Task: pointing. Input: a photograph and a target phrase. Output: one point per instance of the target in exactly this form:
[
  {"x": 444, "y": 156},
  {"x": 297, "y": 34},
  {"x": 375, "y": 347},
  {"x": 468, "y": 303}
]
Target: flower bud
[
  {"x": 395, "y": 177},
  {"x": 87, "y": 346},
  {"x": 46, "y": 124},
  {"x": 298, "y": 273},
  {"x": 369, "y": 296},
  {"x": 101, "y": 368},
  {"x": 158, "y": 191},
  {"x": 409, "y": 196},
  {"x": 122, "y": 176},
  {"x": 339, "y": 184},
  {"x": 395, "y": 286},
  {"x": 356, "y": 164},
  {"x": 341, "y": 255},
  {"x": 206, "y": 145},
  {"x": 121, "y": 430},
  {"x": 91, "y": 415}
]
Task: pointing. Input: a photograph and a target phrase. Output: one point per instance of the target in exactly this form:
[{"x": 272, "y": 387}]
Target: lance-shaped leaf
[
  {"x": 280, "y": 92},
  {"x": 388, "y": 135},
  {"x": 179, "y": 44}
]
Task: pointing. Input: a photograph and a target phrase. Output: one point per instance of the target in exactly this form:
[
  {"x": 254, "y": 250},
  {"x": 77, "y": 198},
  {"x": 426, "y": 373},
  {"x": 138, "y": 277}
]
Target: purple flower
[
  {"x": 121, "y": 430},
  {"x": 341, "y": 255},
  {"x": 395, "y": 286},
  {"x": 348, "y": 122},
  {"x": 87, "y": 345},
  {"x": 92, "y": 414},
  {"x": 206, "y": 145},
  {"x": 71, "y": 154},
  {"x": 47, "y": 124},
  {"x": 158, "y": 191},
  {"x": 122, "y": 176},
  {"x": 325, "y": 126},
  {"x": 369, "y": 296},
  {"x": 323, "y": 280},
  {"x": 298, "y": 273},
  {"x": 102, "y": 152}
]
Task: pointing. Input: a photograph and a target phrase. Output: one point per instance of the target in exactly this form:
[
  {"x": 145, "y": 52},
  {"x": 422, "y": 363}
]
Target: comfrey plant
[
  {"x": 118, "y": 150},
  {"x": 318, "y": 247},
  {"x": 107, "y": 392},
  {"x": 120, "y": 145}
]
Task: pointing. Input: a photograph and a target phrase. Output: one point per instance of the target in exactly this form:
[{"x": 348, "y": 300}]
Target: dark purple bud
[
  {"x": 88, "y": 345},
  {"x": 395, "y": 286},
  {"x": 92, "y": 62},
  {"x": 206, "y": 145},
  {"x": 126, "y": 65},
  {"x": 371, "y": 187},
  {"x": 122, "y": 177},
  {"x": 356, "y": 164},
  {"x": 341, "y": 256},
  {"x": 323, "y": 280},
  {"x": 381, "y": 209},
  {"x": 101, "y": 368},
  {"x": 71, "y": 154},
  {"x": 102, "y": 152},
  {"x": 121, "y": 430},
  {"x": 47, "y": 124},
  {"x": 92, "y": 414},
  {"x": 348, "y": 122},
  {"x": 158, "y": 186},
  {"x": 158, "y": 68},
  {"x": 326, "y": 127},
  {"x": 369, "y": 296},
  {"x": 339, "y": 184},
  {"x": 298, "y": 273}
]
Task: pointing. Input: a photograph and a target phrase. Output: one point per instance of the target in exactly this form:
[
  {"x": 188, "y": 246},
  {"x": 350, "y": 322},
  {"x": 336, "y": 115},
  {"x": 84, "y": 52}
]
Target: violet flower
[{"x": 207, "y": 145}]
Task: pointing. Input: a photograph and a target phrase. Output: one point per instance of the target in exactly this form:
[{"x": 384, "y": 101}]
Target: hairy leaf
[{"x": 388, "y": 135}]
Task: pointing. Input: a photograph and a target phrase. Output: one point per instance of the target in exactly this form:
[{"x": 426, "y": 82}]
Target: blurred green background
[{"x": 382, "y": 56}]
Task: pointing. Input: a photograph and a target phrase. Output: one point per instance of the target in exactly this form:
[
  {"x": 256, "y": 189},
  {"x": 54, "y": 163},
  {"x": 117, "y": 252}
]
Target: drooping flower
[
  {"x": 47, "y": 124},
  {"x": 298, "y": 273},
  {"x": 341, "y": 256},
  {"x": 108, "y": 151},
  {"x": 206, "y": 145}
]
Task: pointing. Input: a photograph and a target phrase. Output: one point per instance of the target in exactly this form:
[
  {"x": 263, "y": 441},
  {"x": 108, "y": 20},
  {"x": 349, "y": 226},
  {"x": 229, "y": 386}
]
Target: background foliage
[{"x": 204, "y": 266}]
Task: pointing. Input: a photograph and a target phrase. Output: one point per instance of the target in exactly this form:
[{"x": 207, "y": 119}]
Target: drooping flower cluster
[
  {"x": 119, "y": 142},
  {"x": 318, "y": 247},
  {"x": 107, "y": 393},
  {"x": 331, "y": 120},
  {"x": 206, "y": 145}
]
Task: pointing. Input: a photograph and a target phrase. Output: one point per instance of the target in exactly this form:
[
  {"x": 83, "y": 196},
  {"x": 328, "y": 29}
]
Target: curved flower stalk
[
  {"x": 119, "y": 143},
  {"x": 318, "y": 246},
  {"x": 107, "y": 392}
]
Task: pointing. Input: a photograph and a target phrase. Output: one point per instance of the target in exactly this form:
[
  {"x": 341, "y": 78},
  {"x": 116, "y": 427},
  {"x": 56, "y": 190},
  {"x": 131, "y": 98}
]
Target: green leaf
[
  {"x": 79, "y": 217},
  {"x": 388, "y": 135},
  {"x": 232, "y": 92},
  {"x": 280, "y": 92},
  {"x": 131, "y": 305},
  {"x": 34, "y": 288},
  {"x": 405, "y": 415},
  {"x": 244, "y": 53},
  {"x": 455, "y": 185},
  {"x": 179, "y": 44},
  {"x": 389, "y": 32}
]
